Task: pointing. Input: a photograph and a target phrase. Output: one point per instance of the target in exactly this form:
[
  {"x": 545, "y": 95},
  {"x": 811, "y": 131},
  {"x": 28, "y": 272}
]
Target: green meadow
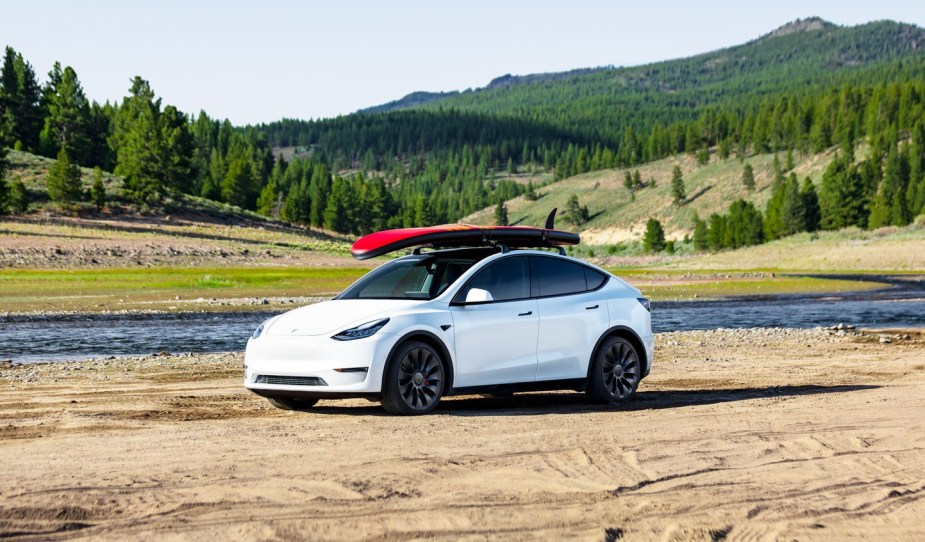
[
  {"x": 159, "y": 288},
  {"x": 194, "y": 288}
]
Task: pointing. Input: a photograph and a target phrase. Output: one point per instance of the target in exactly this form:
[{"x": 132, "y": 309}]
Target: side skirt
[{"x": 576, "y": 384}]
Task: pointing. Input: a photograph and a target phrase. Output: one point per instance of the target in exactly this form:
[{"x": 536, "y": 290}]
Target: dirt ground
[
  {"x": 51, "y": 242},
  {"x": 754, "y": 434}
]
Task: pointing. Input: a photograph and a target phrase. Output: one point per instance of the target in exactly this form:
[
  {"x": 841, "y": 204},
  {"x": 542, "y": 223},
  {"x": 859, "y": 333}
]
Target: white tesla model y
[{"x": 482, "y": 319}]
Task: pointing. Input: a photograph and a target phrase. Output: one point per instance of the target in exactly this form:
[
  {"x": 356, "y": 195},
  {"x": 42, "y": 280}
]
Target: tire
[
  {"x": 286, "y": 403},
  {"x": 414, "y": 380},
  {"x": 615, "y": 372}
]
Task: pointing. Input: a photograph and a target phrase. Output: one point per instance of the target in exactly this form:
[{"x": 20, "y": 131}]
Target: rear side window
[
  {"x": 594, "y": 279},
  {"x": 553, "y": 276},
  {"x": 506, "y": 279}
]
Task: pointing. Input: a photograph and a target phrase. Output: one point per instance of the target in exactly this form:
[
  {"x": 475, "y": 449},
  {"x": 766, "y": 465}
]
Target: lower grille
[{"x": 290, "y": 380}]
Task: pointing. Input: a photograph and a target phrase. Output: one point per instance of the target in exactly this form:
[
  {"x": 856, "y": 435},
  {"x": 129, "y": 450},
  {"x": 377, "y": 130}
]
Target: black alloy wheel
[
  {"x": 414, "y": 380},
  {"x": 616, "y": 372}
]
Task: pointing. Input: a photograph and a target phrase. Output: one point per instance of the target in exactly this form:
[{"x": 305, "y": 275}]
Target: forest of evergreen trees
[{"x": 364, "y": 172}]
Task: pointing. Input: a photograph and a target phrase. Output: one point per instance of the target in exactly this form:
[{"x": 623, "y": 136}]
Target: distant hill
[
  {"x": 422, "y": 98},
  {"x": 607, "y": 105},
  {"x": 795, "y": 58}
]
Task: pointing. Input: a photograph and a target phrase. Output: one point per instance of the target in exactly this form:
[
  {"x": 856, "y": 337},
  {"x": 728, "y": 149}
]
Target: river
[{"x": 33, "y": 338}]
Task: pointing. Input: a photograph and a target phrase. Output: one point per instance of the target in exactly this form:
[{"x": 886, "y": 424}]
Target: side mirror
[{"x": 478, "y": 295}]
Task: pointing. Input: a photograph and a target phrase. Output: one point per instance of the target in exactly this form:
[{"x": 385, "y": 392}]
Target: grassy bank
[
  {"x": 160, "y": 288},
  {"x": 662, "y": 285}
]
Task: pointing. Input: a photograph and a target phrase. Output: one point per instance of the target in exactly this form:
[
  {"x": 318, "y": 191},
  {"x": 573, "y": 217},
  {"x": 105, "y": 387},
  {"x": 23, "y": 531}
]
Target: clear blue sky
[{"x": 260, "y": 61}]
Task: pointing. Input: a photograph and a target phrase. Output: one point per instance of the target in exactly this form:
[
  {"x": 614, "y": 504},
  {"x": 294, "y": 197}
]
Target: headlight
[
  {"x": 259, "y": 330},
  {"x": 645, "y": 303},
  {"x": 359, "y": 332}
]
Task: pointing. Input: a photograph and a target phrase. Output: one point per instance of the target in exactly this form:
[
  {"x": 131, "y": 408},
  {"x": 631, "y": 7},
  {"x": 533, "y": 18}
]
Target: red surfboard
[{"x": 383, "y": 242}]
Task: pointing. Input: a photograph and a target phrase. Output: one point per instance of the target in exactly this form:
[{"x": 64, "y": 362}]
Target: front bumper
[{"x": 300, "y": 360}]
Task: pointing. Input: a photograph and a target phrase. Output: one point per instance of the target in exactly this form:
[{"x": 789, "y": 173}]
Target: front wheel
[
  {"x": 414, "y": 380},
  {"x": 615, "y": 373},
  {"x": 286, "y": 403}
]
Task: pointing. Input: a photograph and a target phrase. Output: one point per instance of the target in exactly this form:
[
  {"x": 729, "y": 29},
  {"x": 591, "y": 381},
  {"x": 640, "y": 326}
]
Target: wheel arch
[
  {"x": 625, "y": 333},
  {"x": 433, "y": 341}
]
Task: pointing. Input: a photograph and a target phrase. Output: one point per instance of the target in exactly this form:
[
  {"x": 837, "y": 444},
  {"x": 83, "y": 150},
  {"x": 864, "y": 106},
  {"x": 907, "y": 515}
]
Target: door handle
[
  {"x": 592, "y": 307},
  {"x": 525, "y": 313}
]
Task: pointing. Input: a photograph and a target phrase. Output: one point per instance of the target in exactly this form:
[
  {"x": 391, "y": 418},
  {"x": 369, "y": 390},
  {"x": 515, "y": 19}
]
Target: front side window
[{"x": 506, "y": 279}]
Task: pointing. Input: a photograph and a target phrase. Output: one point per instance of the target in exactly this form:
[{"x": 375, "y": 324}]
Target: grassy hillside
[
  {"x": 615, "y": 217},
  {"x": 33, "y": 169}
]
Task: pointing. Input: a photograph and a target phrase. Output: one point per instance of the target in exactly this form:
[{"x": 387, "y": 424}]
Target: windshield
[{"x": 423, "y": 276}]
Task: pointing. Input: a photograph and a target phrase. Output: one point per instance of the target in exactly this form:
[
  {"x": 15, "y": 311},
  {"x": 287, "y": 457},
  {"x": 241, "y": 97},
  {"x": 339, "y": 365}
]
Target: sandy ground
[{"x": 755, "y": 434}]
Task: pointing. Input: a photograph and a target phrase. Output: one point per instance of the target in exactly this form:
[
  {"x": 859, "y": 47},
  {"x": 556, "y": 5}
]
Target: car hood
[{"x": 330, "y": 317}]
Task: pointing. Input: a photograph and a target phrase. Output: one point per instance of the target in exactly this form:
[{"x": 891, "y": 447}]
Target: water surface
[{"x": 49, "y": 338}]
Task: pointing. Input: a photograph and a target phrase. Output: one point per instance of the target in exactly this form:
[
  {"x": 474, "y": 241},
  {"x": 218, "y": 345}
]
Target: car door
[
  {"x": 496, "y": 339},
  {"x": 572, "y": 316}
]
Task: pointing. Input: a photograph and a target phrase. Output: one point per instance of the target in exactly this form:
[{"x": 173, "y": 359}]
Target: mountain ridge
[{"x": 787, "y": 43}]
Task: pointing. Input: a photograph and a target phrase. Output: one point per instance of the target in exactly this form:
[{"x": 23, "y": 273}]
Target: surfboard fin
[{"x": 551, "y": 219}]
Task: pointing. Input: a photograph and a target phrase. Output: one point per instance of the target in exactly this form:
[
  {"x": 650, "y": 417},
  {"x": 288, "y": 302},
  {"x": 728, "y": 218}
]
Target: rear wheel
[
  {"x": 414, "y": 380},
  {"x": 615, "y": 373},
  {"x": 287, "y": 403}
]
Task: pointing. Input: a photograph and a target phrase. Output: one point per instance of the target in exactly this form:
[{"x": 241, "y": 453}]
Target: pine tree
[
  {"x": 716, "y": 232},
  {"x": 810, "y": 205},
  {"x": 8, "y": 90},
  {"x": 637, "y": 180},
  {"x": 501, "y": 214},
  {"x": 530, "y": 194},
  {"x": 743, "y": 225},
  {"x": 701, "y": 239},
  {"x": 20, "y": 114},
  {"x": 336, "y": 210},
  {"x": 842, "y": 198},
  {"x": 239, "y": 183},
  {"x": 678, "y": 193},
  {"x": 654, "y": 238},
  {"x": 703, "y": 157},
  {"x": 889, "y": 204},
  {"x": 774, "y": 213},
  {"x": 19, "y": 197},
  {"x": 67, "y": 116},
  {"x": 297, "y": 205},
  {"x": 269, "y": 201},
  {"x": 137, "y": 140},
  {"x": 318, "y": 192},
  {"x": 176, "y": 148},
  {"x": 748, "y": 177},
  {"x": 212, "y": 184},
  {"x": 725, "y": 148},
  {"x": 575, "y": 213},
  {"x": 5, "y": 195},
  {"x": 793, "y": 212},
  {"x": 98, "y": 189},
  {"x": 64, "y": 179}
]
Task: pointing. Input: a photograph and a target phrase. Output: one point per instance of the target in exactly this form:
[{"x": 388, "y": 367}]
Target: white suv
[{"x": 460, "y": 321}]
